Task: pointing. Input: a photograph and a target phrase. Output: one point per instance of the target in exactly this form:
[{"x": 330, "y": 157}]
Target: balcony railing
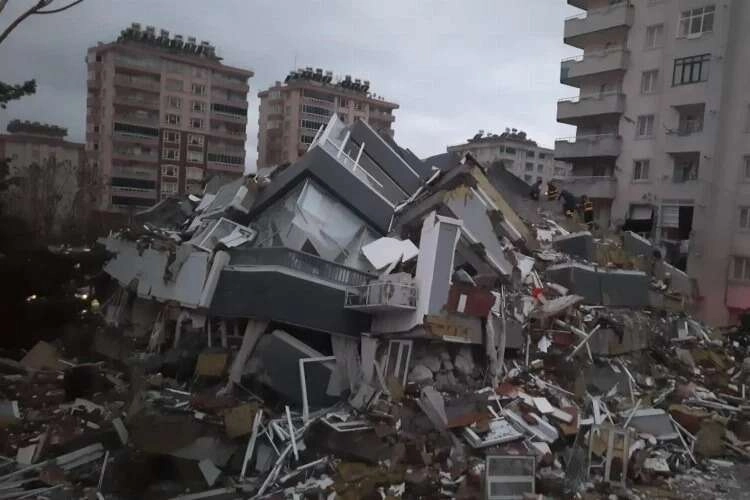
[
  {"x": 130, "y": 155},
  {"x": 136, "y": 101},
  {"x": 379, "y": 296},
  {"x": 612, "y": 18},
  {"x": 141, "y": 83},
  {"x": 588, "y": 146},
  {"x": 300, "y": 262},
  {"x": 571, "y": 109},
  {"x": 152, "y": 120},
  {"x": 593, "y": 63},
  {"x": 229, "y": 82},
  {"x": 604, "y": 187}
]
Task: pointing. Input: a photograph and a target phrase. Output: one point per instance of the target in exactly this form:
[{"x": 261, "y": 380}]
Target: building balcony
[
  {"x": 229, "y": 117},
  {"x": 137, "y": 83},
  {"x": 576, "y": 109},
  {"x": 230, "y": 168},
  {"x": 133, "y": 138},
  {"x": 576, "y": 70},
  {"x": 138, "y": 119},
  {"x": 382, "y": 296},
  {"x": 131, "y": 192},
  {"x": 685, "y": 141},
  {"x": 136, "y": 101},
  {"x": 581, "y": 4},
  {"x": 130, "y": 157},
  {"x": 301, "y": 262},
  {"x": 227, "y": 133},
  {"x": 230, "y": 83},
  {"x": 588, "y": 146},
  {"x": 594, "y": 187},
  {"x": 612, "y": 22}
]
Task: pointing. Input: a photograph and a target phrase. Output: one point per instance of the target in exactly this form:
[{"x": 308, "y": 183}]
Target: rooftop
[
  {"x": 177, "y": 43},
  {"x": 510, "y": 134},
  {"x": 36, "y": 128},
  {"x": 320, "y": 78}
]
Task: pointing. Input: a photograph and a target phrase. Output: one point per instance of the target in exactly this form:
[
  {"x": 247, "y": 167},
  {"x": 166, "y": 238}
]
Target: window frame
[
  {"x": 745, "y": 168},
  {"x": 745, "y": 271},
  {"x": 701, "y": 61},
  {"x": 193, "y": 120},
  {"x": 195, "y": 86},
  {"x": 165, "y": 153},
  {"x": 646, "y": 120},
  {"x": 746, "y": 210},
  {"x": 688, "y": 18},
  {"x": 177, "y": 99},
  {"x": 657, "y": 41},
  {"x": 172, "y": 119},
  {"x": 201, "y": 140},
  {"x": 201, "y": 106},
  {"x": 170, "y": 141},
  {"x": 654, "y": 81},
  {"x": 166, "y": 168},
  {"x": 189, "y": 156},
  {"x": 638, "y": 170}
]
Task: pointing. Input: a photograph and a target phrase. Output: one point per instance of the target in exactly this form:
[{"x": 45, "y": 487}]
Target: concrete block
[
  {"x": 579, "y": 279},
  {"x": 636, "y": 245},
  {"x": 580, "y": 244},
  {"x": 624, "y": 288}
]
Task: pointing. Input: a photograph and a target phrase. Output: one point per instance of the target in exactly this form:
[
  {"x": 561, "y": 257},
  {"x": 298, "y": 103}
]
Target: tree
[{"x": 11, "y": 92}]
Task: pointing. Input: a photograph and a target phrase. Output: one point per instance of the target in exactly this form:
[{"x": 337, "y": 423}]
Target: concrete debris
[{"x": 303, "y": 338}]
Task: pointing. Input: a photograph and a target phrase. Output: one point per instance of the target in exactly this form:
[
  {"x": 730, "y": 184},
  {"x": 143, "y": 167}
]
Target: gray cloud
[{"x": 453, "y": 66}]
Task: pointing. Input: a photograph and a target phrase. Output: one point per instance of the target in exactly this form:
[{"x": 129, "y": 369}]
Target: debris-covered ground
[{"x": 276, "y": 339}]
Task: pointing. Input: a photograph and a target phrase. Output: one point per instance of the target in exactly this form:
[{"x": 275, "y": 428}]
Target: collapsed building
[{"x": 360, "y": 299}]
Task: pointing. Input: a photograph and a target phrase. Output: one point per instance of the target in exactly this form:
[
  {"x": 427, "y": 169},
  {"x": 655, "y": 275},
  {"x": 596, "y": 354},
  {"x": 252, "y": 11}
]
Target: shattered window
[{"x": 307, "y": 219}]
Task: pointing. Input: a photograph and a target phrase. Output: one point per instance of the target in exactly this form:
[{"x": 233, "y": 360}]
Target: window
[
  {"x": 538, "y": 178},
  {"x": 744, "y": 217},
  {"x": 529, "y": 167},
  {"x": 645, "y": 126},
  {"x": 169, "y": 170},
  {"x": 199, "y": 89},
  {"x": 747, "y": 119},
  {"x": 691, "y": 120},
  {"x": 695, "y": 22},
  {"x": 746, "y": 168},
  {"x": 306, "y": 139},
  {"x": 196, "y": 123},
  {"x": 741, "y": 268},
  {"x": 316, "y": 110},
  {"x": 540, "y": 168},
  {"x": 171, "y": 136},
  {"x": 195, "y": 140},
  {"x": 641, "y": 170},
  {"x": 172, "y": 119},
  {"x": 559, "y": 171},
  {"x": 198, "y": 107},
  {"x": 530, "y": 154},
  {"x": 310, "y": 124},
  {"x": 170, "y": 154},
  {"x": 542, "y": 156},
  {"x": 654, "y": 36},
  {"x": 357, "y": 106},
  {"x": 195, "y": 156},
  {"x": 510, "y": 150},
  {"x": 343, "y": 102},
  {"x": 174, "y": 102},
  {"x": 527, "y": 178},
  {"x": 648, "y": 81},
  {"x": 686, "y": 168},
  {"x": 690, "y": 70},
  {"x": 199, "y": 72},
  {"x": 174, "y": 84},
  {"x": 168, "y": 187}
]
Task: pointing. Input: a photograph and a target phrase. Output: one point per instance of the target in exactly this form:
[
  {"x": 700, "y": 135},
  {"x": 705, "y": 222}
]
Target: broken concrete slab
[
  {"x": 580, "y": 244},
  {"x": 43, "y": 356}
]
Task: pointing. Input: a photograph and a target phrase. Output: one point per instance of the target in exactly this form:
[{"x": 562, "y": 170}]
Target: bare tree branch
[
  {"x": 60, "y": 9},
  {"x": 35, "y": 9},
  {"x": 19, "y": 19}
]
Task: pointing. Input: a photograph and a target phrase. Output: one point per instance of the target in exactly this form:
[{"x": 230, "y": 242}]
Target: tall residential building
[
  {"x": 47, "y": 167},
  {"x": 291, "y": 113},
  {"x": 662, "y": 144},
  {"x": 518, "y": 153},
  {"x": 163, "y": 114}
]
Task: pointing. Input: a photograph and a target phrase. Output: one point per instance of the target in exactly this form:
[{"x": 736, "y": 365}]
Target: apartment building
[
  {"x": 663, "y": 133},
  {"x": 163, "y": 114},
  {"x": 47, "y": 168},
  {"x": 292, "y": 112},
  {"x": 520, "y": 155}
]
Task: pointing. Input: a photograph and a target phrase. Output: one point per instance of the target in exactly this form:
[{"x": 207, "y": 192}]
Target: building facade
[
  {"x": 291, "y": 113},
  {"x": 663, "y": 132},
  {"x": 47, "y": 169},
  {"x": 519, "y": 155},
  {"x": 163, "y": 114}
]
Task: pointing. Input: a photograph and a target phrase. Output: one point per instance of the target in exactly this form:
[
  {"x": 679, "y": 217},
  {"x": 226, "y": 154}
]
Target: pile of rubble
[{"x": 363, "y": 324}]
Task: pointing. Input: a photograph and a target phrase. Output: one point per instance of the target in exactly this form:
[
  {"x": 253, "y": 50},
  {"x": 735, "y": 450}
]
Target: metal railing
[
  {"x": 301, "y": 262},
  {"x": 587, "y": 138},
  {"x": 382, "y": 293},
  {"x": 598, "y": 96}
]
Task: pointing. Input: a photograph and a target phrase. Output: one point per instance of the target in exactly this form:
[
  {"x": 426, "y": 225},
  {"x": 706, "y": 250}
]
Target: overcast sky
[{"x": 453, "y": 66}]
